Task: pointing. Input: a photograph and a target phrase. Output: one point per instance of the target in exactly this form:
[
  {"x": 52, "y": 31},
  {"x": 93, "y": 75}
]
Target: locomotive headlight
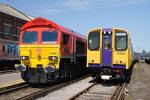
[
  {"x": 24, "y": 58},
  {"x": 54, "y": 58}
]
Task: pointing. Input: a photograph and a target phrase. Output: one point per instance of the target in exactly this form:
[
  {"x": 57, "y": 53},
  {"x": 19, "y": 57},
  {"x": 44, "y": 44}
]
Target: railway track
[
  {"x": 101, "y": 92},
  {"x": 27, "y": 92},
  {"x": 8, "y": 71},
  {"x": 12, "y": 88}
]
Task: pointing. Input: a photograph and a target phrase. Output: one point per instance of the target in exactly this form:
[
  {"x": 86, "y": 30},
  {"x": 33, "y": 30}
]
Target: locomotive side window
[
  {"x": 121, "y": 41},
  {"x": 94, "y": 40},
  {"x": 65, "y": 39},
  {"x": 80, "y": 47},
  {"x": 29, "y": 37},
  {"x": 3, "y": 48},
  {"x": 49, "y": 36}
]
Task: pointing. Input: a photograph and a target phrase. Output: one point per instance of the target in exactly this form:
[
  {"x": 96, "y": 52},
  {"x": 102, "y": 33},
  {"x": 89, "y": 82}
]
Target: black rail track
[
  {"x": 11, "y": 88},
  {"x": 117, "y": 94},
  {"x": 51, "y": 88},
  {"x": 39, "y": 91},
  {"x": 8, "y": 71}
]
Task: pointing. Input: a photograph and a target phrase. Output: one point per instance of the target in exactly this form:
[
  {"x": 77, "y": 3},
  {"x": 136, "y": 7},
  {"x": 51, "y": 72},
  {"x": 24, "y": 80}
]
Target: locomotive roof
[{"x": 44, "y": 22}]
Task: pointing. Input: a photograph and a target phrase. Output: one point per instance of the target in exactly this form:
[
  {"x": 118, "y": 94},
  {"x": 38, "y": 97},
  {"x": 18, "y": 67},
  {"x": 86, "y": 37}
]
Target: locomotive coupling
[
  {"x": 20, "y": 67},
  {"x": 49, "y": 68},
  {"x": 106, "y": 77}
]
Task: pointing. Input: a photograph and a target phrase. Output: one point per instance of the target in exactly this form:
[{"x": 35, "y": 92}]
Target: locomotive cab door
[{"x": 107, "y": 48}]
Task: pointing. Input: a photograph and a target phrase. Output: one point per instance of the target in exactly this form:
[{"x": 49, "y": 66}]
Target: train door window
[
  {"x": 65, "y": 39},
  {"x": 80, "y": 47},
  {"x": 107, "y": 42},
  {"x": 7, "y": 29},
  {"x": 121, "y": 41},
  {"x": 94, "y": 40},
  {"x": 3, "y": 48}
]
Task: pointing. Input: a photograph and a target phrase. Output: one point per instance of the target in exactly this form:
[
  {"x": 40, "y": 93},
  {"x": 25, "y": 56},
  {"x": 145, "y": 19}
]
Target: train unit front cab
[{"x": 109, "y": 53}]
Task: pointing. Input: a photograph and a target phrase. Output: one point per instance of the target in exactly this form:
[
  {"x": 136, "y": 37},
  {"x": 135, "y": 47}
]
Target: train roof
[
  {"x": 108, "y": 29},
  {"x": 44, "y": 22}
]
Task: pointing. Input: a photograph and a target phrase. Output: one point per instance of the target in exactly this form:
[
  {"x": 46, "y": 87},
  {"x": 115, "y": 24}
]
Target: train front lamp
[
  {"x": 54, "y": 58},
  {"x": 24, "y": 57}
]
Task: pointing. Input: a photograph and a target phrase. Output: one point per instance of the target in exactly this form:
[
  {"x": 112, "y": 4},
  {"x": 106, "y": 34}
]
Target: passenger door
[{"x": 106, "y": 48}]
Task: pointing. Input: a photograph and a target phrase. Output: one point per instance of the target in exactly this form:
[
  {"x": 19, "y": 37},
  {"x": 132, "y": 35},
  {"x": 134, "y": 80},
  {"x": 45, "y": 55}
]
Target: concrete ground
[
  {"x": 10, "y": 79},
  {"x": 139, "y": 87}
]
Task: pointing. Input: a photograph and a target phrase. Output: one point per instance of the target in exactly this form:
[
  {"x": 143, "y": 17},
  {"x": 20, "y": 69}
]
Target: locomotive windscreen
[
  {"x": 49, "y": 36},
  {"x": 94, "y": 40},
  {"x": 29, "y": 37},
  {"x": 121, "y": 41}
]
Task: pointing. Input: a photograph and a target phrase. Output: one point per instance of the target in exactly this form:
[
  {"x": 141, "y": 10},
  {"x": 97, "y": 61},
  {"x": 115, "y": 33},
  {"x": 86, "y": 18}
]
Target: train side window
[
  {"x": 8, "y": 49},
  {"x": 11, "y": 49},
  {"x": 14, "y": 49},
  {"x": 3, "y": 48},
  {"x": 65, "y": 39},
  {"x": 121, "y": 41},
  {"x": 94, "y": 40},
  {"x": 80, "y": 47}
]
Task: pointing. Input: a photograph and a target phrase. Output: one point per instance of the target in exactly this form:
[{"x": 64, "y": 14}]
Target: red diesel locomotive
[{"x": 49, "y": 51}]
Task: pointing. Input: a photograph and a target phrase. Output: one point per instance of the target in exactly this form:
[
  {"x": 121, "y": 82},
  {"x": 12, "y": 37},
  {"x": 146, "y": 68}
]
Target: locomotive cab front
[
  {"x": 39, "y": 54},
  {"x": 49, "y": 52}
]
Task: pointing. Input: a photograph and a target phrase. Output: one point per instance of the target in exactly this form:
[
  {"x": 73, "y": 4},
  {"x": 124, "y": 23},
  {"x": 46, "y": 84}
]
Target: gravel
[
  {"x": 139, "y": 87},
  {"x": 68, "y": 91},
  {"x": 9, "y": 79},
  {"x": 98, "y": 92}
]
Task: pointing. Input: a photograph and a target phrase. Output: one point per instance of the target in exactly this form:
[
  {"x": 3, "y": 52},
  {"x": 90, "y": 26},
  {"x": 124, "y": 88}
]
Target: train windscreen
[
  {"x": 121, "y": 41},
  {"x": 49, "y": 36},
  {"x": 29, "y": 37},
  {"x": 94, "y": 40}
]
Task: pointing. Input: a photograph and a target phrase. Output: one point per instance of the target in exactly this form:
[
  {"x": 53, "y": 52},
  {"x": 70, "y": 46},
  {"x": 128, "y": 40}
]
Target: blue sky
[{"x": 83, "y": 15}]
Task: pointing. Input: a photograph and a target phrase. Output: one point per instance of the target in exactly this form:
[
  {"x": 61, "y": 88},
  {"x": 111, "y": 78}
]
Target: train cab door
[
  {"x": 106, "y": 48},
  {"x": 67, "y": 44}
]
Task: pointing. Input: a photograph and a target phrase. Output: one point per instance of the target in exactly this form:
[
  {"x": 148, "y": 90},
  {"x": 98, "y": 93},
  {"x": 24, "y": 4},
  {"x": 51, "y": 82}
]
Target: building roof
[{"x": 7, "y": 9}]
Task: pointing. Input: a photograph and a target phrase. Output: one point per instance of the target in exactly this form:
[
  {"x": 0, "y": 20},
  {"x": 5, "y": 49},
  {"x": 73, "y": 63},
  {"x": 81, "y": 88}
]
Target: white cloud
[
  {"x": 82, "y": 5},
  {"x": 79, "y": 5}
]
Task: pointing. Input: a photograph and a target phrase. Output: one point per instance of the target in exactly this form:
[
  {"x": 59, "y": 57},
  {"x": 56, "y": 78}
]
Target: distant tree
[{"x": 143, "y": 51}]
